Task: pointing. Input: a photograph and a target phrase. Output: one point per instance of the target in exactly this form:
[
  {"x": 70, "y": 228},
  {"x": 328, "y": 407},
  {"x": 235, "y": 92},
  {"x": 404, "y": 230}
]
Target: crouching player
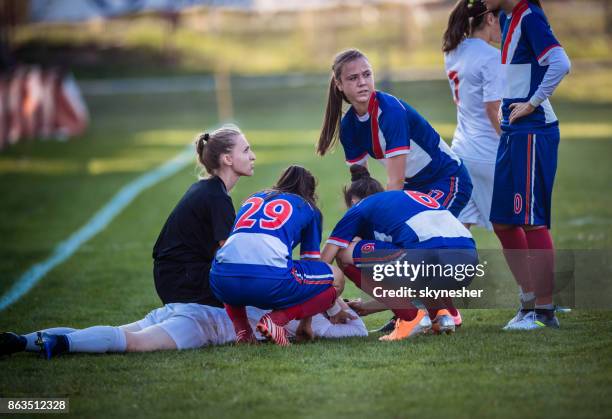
[
  {"x": 255, "y": 267},
  {"x": 407, "y": 220}
]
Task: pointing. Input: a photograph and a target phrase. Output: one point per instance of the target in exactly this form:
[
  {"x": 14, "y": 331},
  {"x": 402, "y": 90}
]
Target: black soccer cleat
[
  {"x": 11, "y": 343},
  {"x": 387, "y": 327}
]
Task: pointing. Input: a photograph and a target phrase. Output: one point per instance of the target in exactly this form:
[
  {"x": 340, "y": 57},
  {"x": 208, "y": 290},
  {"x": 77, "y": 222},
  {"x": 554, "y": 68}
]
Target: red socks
[
  {"x": 354, "y": 274},
  {"x": 317, "y": 304},
  {"x": 515, "y": 239},
  {"x": 542, "y": 264},
  {"x": 239, "y": 318}
]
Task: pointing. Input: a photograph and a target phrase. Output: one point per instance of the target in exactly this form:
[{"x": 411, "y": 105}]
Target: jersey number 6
[
  {"x": 423, "y": 199},
  {"x": 276, "y": 213}
]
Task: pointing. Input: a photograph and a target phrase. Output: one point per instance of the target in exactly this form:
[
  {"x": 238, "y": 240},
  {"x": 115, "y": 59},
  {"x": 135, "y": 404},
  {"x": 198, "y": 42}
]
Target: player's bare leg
[{"x": 152, "y": 338}]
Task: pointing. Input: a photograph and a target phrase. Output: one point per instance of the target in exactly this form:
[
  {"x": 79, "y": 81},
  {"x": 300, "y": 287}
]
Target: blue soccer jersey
[
  {"x": 392, "y": 128},
  {"x": 268, "y": 226},
  {"x": 527, "y": 39},
  {"x": 408, "y": 219}
]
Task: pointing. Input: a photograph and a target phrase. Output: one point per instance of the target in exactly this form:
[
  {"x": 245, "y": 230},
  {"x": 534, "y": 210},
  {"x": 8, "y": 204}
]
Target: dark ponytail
[
  {"x": 466, "y": 16},
  {"x": 536, "y": 2},
  {"x": 299, "y": 181},
  {"x": 362, "y": 185},
  {"x": 333, "y": 110}
]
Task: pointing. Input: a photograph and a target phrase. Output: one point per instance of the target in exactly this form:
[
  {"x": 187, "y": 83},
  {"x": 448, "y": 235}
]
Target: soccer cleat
[
  {"x": 405, "y": 329},
  {"x": 11, "y": 343},
  {"x": 457, "y": 319},
  {"x": 387, "y": 327},
  {"x": 272, "y": 331},
  {"x": 443, "y": 323},
  {"x": 51, "y": 345},
  {"x": 519, "y": 316},
  {"x": 245, "y": 337},
  {"x": 562, "y": 309},
  {"x": 533, "y": 321}
]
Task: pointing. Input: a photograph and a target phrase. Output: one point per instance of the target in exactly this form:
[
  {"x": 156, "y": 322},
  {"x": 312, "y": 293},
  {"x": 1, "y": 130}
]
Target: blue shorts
[
  {"x": 305, "y": 280},
  {"x": 524, "y": 177},
  {"x": 368, "y": 252},
  {"x": 452, "y": 192}
]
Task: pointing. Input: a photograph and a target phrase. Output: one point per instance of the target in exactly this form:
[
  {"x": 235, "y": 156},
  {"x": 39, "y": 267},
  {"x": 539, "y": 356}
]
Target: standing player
[
  {"x": 255, "y": 268},
  {"x": 401, "y": 220},
  {"x": 391, "y": 131},
  {"x": 474, "y": 71},
  {"x": 183, "y": 254},
  {"x": 534, "y": 64}
]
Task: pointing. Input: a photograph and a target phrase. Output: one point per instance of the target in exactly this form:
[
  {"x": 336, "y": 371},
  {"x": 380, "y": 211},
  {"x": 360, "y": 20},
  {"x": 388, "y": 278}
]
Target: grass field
[{"x": 51, "y": 189}]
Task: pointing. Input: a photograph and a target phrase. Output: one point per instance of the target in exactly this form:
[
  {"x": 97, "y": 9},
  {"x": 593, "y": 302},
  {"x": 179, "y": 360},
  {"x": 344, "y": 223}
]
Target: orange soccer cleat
[{"x": 405, "y": 329}]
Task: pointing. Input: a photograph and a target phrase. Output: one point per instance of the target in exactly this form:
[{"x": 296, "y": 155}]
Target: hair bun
[
  {"x": 206, "y": 137},
  {"x": 359, "y": 172}
]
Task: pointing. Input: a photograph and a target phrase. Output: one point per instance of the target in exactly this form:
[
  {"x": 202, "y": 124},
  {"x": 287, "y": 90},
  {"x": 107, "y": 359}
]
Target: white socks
[{"x": 97, "y": 339}]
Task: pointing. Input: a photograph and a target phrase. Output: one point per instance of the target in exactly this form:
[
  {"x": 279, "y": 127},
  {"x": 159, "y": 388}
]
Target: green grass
[{"x": 51, "y": 189}]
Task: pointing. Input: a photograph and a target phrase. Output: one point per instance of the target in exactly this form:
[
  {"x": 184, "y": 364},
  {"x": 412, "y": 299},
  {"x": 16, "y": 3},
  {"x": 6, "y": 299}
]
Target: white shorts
[
  {"x": 192, "y": 325},
  {"x": 478, "y": 209}
]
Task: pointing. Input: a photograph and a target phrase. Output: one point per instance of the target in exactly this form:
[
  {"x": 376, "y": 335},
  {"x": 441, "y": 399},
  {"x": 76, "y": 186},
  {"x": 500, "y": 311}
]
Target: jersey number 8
[{"x": 275, "y": 214}]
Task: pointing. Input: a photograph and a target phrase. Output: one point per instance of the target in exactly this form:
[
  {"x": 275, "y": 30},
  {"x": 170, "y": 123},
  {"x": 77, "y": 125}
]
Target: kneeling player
[
  {"x": 405, "y": 220},
  {"x": 255, "y": 268}
]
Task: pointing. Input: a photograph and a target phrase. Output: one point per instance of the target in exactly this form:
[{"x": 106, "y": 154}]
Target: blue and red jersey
[
  {"x": 268, "y": 226},
  {"x": 408, "y": 219},
  {"x": 392, "y": 128},
  {"x": 527, "y": 39}
]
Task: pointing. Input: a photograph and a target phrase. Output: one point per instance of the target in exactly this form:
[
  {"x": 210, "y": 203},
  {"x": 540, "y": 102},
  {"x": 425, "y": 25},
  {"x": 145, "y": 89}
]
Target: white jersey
[{"x": 475, "y": 75}]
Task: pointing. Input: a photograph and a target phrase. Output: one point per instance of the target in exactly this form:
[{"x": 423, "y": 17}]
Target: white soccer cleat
[
  {"x": 518, "y": 317},
  {"x": 443, "y": 323}
]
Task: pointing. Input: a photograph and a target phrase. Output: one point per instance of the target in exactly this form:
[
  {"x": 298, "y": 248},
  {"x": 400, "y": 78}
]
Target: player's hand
[
  {"x": 359, "y": 307},
  {"x": 342, "y": 317},
  {"x": 519, "y": 110},
  {"x": 304, "y": 332}
]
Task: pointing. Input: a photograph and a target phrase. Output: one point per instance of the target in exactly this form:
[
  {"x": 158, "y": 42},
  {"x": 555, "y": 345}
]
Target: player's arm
[
  {"x": 492, "y": 109},
  {"x": 549, "y": 53},
  {"x": 396, "y": 169},
  {"x": 397, "y": 137}
]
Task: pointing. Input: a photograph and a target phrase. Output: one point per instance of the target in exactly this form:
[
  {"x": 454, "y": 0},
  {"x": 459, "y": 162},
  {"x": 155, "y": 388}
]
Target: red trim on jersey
[
  {"x": 517, "y": 13},
  {"x": 546, "y": 51},
  {"x": 373, "y": 111},
  {"x": 393, "y": 150},
  {"x": 353, "y": 161},
  {"x": 528, "y": 202},
  {"x": 451, "y": 191},
  {"x": 339, "y": 240}
]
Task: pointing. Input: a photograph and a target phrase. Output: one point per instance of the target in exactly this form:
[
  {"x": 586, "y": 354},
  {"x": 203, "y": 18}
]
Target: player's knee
[
  {"x": 338, "y": 283},
  {"x": 502, "y": 227}
]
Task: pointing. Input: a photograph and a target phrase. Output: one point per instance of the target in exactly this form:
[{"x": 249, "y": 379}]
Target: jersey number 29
[{"x": 275, "y": 213}]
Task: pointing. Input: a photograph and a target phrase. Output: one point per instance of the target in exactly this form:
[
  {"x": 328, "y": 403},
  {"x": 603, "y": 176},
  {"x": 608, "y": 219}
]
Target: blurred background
[{"x": 131, "y": 82}]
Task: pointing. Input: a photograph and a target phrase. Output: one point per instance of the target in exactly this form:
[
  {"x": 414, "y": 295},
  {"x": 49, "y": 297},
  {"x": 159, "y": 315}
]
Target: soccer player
[
  {"x": 400, "y": 220},
  {"x": 255, "y": 267},
  {"x": 183, "y": 254},
  {"x": 474, "y": 71},
  {"x": 534, "y": 64},
  {"x": 391, "y": 131}
]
